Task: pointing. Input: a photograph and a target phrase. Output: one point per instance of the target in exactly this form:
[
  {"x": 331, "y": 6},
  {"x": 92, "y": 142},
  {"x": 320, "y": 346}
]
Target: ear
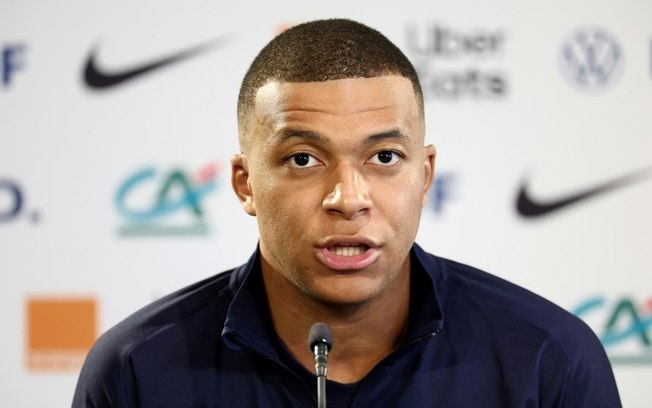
[
  {"x": 241, "y": 184},
  {"x": 429, "y": 168}
]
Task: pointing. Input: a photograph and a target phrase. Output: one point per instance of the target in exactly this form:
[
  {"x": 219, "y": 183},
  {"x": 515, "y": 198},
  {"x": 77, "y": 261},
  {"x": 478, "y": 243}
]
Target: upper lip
[{"x": 344, "y": 240}]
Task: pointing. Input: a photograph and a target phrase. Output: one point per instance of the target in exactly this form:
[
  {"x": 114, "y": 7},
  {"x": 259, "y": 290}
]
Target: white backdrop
[{"x": 554, "y": 96}]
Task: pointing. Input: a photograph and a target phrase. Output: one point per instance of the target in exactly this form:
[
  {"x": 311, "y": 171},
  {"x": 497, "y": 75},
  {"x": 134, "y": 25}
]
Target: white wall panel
[{"x": 66, "y": 149}]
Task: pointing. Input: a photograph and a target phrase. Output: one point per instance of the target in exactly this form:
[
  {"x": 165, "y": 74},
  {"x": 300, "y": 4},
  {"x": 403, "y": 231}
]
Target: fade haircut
[{"x": 324, "y": 50}]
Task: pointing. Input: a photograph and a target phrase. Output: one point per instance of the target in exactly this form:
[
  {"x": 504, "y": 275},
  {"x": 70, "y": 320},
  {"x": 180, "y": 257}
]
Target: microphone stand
[
  {"x": 320, "y": 341},
  {"x": 321, "y": 369}
]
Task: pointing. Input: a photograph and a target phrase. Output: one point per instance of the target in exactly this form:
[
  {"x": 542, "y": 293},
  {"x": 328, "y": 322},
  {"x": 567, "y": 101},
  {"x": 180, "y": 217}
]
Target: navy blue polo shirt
[{"x": 473, "y": 340}]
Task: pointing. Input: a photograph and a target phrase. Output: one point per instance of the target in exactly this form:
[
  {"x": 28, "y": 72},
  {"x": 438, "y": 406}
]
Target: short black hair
[{"x": 324, "y": 50}]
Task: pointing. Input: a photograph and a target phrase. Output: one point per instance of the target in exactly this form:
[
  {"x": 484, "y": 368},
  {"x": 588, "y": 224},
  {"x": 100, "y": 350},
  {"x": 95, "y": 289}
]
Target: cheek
[
  {"x": 265, "y": 184},
  {"x": 282, "y": 212},
  {"x": 410, "y": 207},
  {"x": 402, "y": 203}
]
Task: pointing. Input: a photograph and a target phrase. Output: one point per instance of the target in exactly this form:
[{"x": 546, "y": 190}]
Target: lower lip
[{"x": 347, "y": 263}]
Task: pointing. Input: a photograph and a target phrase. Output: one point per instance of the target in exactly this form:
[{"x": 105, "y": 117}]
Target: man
[{"x": 333, "y": 165}]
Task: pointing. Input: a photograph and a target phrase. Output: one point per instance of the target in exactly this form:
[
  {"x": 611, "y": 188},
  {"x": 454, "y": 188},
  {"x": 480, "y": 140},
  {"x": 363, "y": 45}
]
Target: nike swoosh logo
[
  {"x": 530, "y": 208},
  {"x": 96, "y": 77}
]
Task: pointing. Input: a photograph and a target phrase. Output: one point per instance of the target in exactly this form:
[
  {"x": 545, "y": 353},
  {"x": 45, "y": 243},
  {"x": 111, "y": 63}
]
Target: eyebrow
[
  {"x": 390, "y": 134},
  {"x": 316, "y": 137},
  {"x": 301, "y": 134}
]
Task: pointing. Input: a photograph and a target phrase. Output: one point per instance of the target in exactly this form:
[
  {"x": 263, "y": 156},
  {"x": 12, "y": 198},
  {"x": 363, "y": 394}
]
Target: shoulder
[
  {"x": 105, "y": 371},
  {"x": 514, "y": 308},
  {"x": 504, "y": 302},
  {"x": 201, "y": 298},
  {"x": 570, "y": 360}
]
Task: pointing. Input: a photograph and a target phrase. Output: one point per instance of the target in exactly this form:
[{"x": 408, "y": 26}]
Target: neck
[{"x": 363, "y": 334}]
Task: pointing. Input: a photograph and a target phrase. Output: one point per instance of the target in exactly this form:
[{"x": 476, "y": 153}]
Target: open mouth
[
  {"x": 348, "y": 249},
  {"x": 347, "y": 255}
]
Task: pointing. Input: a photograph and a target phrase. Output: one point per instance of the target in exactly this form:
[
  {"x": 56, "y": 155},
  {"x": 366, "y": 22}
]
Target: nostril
[{"x": 349, "y": 195}]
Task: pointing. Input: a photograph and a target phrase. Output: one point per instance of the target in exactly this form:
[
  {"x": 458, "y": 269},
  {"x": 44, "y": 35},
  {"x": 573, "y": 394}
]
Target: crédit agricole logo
[
  {"x": 155, "y": 202},
  {"x": 623, "y": 324}
]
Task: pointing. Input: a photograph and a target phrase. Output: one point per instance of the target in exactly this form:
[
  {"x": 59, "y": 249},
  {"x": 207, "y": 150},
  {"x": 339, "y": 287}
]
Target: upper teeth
[{"x": 347, "y": 251}]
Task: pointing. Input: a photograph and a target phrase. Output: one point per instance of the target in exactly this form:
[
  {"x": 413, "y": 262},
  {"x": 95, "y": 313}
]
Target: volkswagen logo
[{"x": 591, "y": 59}]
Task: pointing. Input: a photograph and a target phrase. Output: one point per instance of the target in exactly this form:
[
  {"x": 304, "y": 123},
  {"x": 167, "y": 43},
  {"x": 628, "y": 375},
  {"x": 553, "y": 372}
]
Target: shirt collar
[
  {"x": 248, "y": 321},
  {"x": 426, "y": 315}
]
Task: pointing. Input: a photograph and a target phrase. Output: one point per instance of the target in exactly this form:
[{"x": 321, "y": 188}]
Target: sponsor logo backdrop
[{"x": 118, "y": 121}]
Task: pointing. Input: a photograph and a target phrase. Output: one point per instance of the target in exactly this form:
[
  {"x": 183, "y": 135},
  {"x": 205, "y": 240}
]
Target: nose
[{"x": 349, "y": 195}]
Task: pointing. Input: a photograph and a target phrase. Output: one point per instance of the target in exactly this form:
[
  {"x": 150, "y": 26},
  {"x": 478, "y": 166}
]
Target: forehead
[
  {"x": 339, "y": 97},
  {"x": 369, "y": 105}
]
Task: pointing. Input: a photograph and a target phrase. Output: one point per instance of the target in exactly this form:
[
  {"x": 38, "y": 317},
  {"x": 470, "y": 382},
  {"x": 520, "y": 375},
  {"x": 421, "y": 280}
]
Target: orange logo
[{"x": 60, "y": 332}]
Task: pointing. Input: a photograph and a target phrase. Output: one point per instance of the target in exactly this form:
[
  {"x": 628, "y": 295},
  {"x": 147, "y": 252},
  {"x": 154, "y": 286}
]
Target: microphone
[{"x": 320, "y": 341}]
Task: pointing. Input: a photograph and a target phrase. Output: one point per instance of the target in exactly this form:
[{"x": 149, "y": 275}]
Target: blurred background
[{"x": 117, "y": 122}]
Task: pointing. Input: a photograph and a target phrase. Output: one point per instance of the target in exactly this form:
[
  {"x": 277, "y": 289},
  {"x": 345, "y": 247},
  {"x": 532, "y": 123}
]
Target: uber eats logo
[
  {"x": 624, "y": 326},
  {"x": 455, "y": 64},
  {"x": 158, "y": 202}
]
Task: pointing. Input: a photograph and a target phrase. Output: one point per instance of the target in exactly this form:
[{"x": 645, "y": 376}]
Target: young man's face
[{"x": 336, "y": 174}]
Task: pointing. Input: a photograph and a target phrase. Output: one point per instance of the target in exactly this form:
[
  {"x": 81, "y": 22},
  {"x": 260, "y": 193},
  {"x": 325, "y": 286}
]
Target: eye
[
  {"x": 385, "y": 158},
  {"x": 302, "y": 161}
]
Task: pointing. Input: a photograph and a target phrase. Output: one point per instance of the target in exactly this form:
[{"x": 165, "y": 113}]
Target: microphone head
[{"x": 320, "y": 334}]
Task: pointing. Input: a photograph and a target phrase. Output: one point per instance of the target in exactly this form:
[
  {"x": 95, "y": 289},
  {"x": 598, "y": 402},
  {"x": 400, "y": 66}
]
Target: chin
[{"x": 348, "y": 295}]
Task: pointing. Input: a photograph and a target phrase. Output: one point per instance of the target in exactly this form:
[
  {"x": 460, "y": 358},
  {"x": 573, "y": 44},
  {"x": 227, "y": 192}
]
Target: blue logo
[
  {"x": 591, "y": 59},
  {"x": 13, "y": 60},
  {"x": 441, "y": 192},
  {"x": 155, "y": 203},
  {"x": 624, "y": 326},
  {"x": 12, "y": 203}
]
